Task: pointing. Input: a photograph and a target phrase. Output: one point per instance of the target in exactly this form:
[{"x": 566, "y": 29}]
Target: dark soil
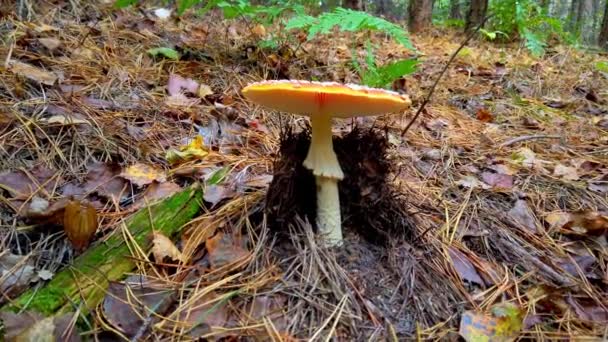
[{"x": 369, "y": 205}]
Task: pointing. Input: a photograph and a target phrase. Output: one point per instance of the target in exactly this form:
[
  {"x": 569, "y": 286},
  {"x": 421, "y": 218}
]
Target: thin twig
[
  {"x": 528, "y": 137},
  {"x": 427, "y": 99}
]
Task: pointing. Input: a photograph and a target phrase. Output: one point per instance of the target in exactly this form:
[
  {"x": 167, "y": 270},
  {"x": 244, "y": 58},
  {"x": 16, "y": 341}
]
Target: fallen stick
[
  {"x": 84, "y": 283},
  {"x": 528, "y": 137}
]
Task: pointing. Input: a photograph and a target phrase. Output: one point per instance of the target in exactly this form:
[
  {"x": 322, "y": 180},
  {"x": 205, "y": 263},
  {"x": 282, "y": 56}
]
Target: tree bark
[
  {"x": 455, "y": 9},
  {"x": 477, "y": 11},
  {"x": 420, "y": 15},
  {"x": 603, "y": 38}
]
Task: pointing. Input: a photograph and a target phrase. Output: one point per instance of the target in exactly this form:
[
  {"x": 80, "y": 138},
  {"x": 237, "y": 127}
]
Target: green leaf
[
  {"x": 208, "y": 6},
  {"x": 124, "y": 3},
  {"x": 167, "y": 52},
  {"x": 602, "y": 66},
  {"x": 184, "y": 5},
  {"x": 534, "y": 43},
  {"x": 349, "y": 21},
  {"x": 218, "y": 176}
]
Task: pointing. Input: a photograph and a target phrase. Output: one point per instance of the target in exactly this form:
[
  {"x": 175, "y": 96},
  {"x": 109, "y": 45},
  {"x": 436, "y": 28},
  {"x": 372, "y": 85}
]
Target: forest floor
[{"x": 500, "y": 187}]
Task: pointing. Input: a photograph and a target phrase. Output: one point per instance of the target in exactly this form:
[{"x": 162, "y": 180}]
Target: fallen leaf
[
  {"x": 17, "y": 323},
  {"x": 162, "y": 13},
  {"x": 178, "y": 85},
  {"x": 22, "y": 185},
  {"x": 194, "y": 150},
  {"x": 223, "y": 250},
  {"x": 151, "y": 299},
  {"x": 33, "y": 73},
  {"x": 45, "y": 274},
  {"x": 557, "y": 219},
  {"x": 157, "y": 191},
  {"x": 601, "y": 188},
  {"x": 572, "y": 265},
  {"x": 471, "y": 182},
  {"x": 163, "y": 247},
  {"x": 204, "y": 90},
  {"x": 16, "y": 273},
  {"x": 51, "y": 44},
  {"x": 165, "y": 52},
  {"x": 180, "y": 100},
  {"x": 64, "y": 120},
  {"x": 214, "y": 194},
  {"x": 565, "y": 172},
  {"x": 464, "y": 267},
  {"x": 105, "y": 180},
  {"x": 484, "y": 115},
  {"x": 259, "y": 30},
  {"x": 523, "y": 215},
  {"x": 271, "y": 307},
  {"x": 80, "y": 223},
  {"x": 586, "y": 223},
  {"x": 497, "y": 180},
  {"x": 207, "y": 315},
  {"x": 503, "y": 324},
  {"x": 142, "y": 174},
  {"x": 588, "y": 310}
]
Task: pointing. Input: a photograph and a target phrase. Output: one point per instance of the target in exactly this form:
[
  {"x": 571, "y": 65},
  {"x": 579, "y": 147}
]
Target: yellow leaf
[
  {"x": 204, "y": 90},
  {"x": 259, "y": 30},
  {"x": 163, "y": 247},
  {"x": 142, "y": 174},
  {"x": 194, "y": 150}
]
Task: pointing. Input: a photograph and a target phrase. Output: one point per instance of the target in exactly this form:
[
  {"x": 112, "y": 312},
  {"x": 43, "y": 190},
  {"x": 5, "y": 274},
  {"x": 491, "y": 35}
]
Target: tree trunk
[
  {"x": 603, "y": 39},
  {"x": 573, "y": 14},
  {"x": 455, "y": 9},
  {"x": 477, "y": 11},
  {"x": 353, "y": 4},
  {"x": 381, "y": 7},
  {"x": 420, "y": 15}
]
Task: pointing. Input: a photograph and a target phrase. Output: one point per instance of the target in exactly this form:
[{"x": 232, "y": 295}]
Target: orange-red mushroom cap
[{"x": 335, "y": 99}]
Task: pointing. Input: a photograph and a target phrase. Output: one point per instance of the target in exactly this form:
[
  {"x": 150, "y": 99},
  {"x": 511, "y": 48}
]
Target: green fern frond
[{"x": 350, "y": 21}]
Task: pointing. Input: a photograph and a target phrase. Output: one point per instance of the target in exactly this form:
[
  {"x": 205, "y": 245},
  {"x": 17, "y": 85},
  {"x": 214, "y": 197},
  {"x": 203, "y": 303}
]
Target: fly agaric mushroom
[{"x": 322, "y": 101}]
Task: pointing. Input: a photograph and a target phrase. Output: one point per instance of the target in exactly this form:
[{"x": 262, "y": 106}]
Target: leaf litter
[{"x": 504, "y": 193}]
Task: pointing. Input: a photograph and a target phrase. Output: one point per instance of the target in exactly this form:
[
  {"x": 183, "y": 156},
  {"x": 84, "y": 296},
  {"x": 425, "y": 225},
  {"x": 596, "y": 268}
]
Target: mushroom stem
[
  {"x": 329, "y": 220},
  {"x": 323, "y": 162}
]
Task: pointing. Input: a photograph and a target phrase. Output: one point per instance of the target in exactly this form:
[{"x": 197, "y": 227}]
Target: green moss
[{"x": 87, "y": 279}]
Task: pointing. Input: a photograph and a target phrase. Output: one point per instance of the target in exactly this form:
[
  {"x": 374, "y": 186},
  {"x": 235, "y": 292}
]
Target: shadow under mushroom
[{"x": 369, "y": 204}]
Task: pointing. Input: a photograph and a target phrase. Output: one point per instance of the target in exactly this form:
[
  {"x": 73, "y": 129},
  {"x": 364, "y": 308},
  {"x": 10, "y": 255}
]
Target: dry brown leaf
[
  {"x": 497, "y": 180},
  {"x": 33, "y": 73},
  {"x": 259, "y": 30},
  {"x": 223, "y": 250},
  {"x": 51, "y": 44},
  {"x": 163, "y": 247},
  {"x": 118, "y": 306},
  {"x": 156, "y": 191},
  {"x": 142, "y": 174},
  {"x": 484, "y": 115},
  {"x": 464, "y": 267},
  {"x": 80, "y": 223},
  {"x": 566, "y": 172},
  {"x": 64, "y": 120},
  {"x": 523, "y": 215},
  {"x": 104, "y": 179}
]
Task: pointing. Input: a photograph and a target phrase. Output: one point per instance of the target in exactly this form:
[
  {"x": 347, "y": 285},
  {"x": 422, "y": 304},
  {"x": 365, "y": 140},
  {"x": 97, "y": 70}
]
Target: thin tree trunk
[
  {"x": 573, "y": 14},
  {"x": 603, "y": 38},
  {"x": 353, "y": 4},
  {"x": 420, "y": 15},
  {"x": 477, "y": 11},
  {"x": 455, "y": 9}
]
